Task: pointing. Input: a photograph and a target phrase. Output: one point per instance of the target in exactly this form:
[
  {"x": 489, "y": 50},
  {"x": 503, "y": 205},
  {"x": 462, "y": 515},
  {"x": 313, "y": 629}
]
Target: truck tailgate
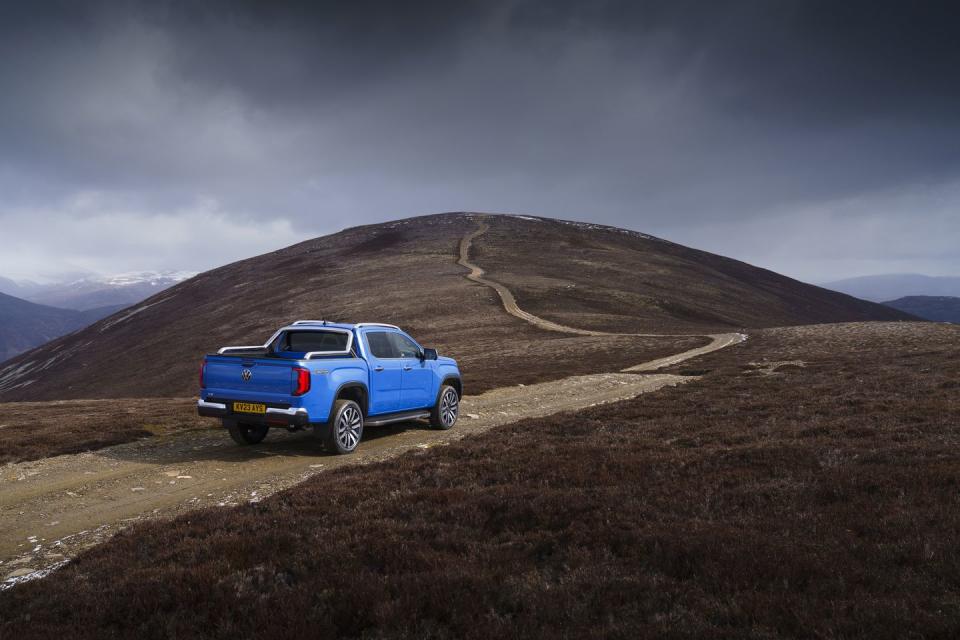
[{"x": 259, "y": 376}]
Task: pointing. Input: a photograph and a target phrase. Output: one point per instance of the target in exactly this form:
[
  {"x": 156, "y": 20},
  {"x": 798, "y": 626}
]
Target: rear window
[{"x": 306, "y": 341}]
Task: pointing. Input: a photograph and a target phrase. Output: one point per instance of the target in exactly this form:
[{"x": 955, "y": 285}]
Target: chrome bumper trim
[
  {"x": 287, "y": 412},
  {"x": 211, "y": 405}
]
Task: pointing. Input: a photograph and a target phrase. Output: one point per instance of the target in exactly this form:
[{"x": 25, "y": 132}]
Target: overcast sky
[{"x": 818, "y": 139}]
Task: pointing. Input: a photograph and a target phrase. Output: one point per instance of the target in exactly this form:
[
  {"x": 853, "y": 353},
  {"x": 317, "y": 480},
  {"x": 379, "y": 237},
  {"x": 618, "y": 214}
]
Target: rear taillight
[
  {"x": 301, "y": 381},
  {"x": 203, "y": 367}
]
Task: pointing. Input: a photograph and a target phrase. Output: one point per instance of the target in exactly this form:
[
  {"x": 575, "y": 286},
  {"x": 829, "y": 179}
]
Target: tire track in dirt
[
  {"x": 717, "y": 340},
  {"x": 506, "y": 296},
  {"x": 52, "y": 509}
]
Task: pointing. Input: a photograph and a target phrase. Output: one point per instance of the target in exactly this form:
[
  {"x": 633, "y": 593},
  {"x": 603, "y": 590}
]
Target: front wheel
[
  {"x": 247, "y": 433},
  {"x": 444, "y": 413},
  {"x": 343, "y": 432}
]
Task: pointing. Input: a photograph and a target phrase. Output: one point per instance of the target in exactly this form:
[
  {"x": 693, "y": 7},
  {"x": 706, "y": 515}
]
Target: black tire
[
  {"x": 447, "y": 409},
  {"x": 245, "y": 434},
  {"x": 343, "y": 431}
]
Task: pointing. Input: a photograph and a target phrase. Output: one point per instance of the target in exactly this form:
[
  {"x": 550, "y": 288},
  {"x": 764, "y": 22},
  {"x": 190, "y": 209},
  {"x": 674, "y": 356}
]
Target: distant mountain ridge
[
  {"x": 25, "y": 325},
  {"x": 95, "y": 291},
  {"x": 405, "y": 272},
  {"x": 892, "y": 286},
  {"x": 936, "y": 308}
]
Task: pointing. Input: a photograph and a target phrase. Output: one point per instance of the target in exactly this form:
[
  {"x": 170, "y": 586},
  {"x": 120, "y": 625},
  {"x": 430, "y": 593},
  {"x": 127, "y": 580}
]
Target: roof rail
[
  {"x": 375, "y": 324},
  {"x": 309, "y": 322}
]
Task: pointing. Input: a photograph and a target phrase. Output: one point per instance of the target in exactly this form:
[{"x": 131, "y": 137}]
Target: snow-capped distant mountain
[
  {"x": 152, "y": 278},
  {"x": 97, "y": 291}
]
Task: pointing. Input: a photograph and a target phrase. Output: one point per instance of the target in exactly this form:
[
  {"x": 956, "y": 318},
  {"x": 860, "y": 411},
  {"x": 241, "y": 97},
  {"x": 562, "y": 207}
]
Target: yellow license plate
[{"x": 249, "y": 407}]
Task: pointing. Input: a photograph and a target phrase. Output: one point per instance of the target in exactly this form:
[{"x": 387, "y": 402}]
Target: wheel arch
[
  {"x": 453, "y": 381},
  {"x": 356, "y": 391}
]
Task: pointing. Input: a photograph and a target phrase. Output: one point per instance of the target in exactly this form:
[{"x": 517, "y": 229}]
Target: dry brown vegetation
[
  {"x": 34, "y": 430},
  {"x": 406, "y": 273},
  {"x": 609, "y": 279},
  {"x": 805, "y": 486}
]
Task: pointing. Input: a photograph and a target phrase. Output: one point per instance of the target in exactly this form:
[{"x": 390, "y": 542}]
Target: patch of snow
[
  {"x": 603, "y": 227},
  {"x": 25, "y": 383},
  {"x": 131, "y": 313},
  {"x": 153, "y": 278},
  {"x": 34, "y": 575},
  {"x": 10, "y": 376}
]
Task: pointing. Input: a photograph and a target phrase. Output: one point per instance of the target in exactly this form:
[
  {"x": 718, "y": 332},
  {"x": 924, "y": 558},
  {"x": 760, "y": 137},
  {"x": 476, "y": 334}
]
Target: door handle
[
  {"x": 378, "y": 368},
  {"x": 407, "y": 368}
]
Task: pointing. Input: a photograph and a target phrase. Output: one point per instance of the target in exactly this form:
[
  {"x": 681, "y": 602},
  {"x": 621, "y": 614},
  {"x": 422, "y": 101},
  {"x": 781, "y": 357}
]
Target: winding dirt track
[
  {"x": 51, "y": 509},
  {"x": 717, "y": 340}
]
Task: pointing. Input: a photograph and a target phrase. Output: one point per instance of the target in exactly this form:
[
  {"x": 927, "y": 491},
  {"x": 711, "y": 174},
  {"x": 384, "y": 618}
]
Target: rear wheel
[
  {"x": 247, "y": 433},
  {"x": 444, "y": 414},
  {"x": 343, "y": 432}
]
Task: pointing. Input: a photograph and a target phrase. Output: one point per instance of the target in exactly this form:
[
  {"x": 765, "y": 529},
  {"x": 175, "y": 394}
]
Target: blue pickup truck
[{"x": 331, "y": 377}]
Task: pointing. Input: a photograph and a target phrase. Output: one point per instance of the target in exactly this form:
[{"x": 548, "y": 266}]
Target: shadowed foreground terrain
[{"x": 806, "y": 485}]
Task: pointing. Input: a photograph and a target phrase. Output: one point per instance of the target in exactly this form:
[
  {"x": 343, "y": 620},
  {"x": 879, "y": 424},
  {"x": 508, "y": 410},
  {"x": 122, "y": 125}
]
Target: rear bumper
[{"x": 294, "y": 416}]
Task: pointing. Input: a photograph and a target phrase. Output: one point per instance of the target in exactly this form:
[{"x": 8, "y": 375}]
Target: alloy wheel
[
  {"x": 449, "y": 407},
  {"x": 349, "y": 426}
]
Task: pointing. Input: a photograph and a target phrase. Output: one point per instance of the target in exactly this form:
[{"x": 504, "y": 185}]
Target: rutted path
[
  {"x": 509, "y": 302},
  {"x": 717, "y": 340},
  {"x": 51, "y": 509}
]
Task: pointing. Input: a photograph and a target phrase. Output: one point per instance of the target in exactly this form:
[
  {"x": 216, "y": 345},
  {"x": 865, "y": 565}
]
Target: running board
[{"x": 400, "y": 417}]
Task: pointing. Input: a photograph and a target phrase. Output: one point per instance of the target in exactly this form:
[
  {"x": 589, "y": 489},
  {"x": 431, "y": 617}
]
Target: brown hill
[
  {"x": 405, "y": 272},
  {"x": 611, "y": 279}
]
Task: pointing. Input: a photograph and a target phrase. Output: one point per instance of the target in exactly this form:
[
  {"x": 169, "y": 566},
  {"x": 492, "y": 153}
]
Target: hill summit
[{"x": 406, "y": 272}]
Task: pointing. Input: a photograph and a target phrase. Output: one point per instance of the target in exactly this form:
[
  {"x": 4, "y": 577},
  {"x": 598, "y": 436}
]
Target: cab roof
[{"x": 324, "y": 324}]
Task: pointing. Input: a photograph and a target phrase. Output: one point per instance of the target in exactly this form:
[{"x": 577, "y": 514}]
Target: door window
[
  {"x": 404, "y": 346},
  {"x": 381, "y": 346}
]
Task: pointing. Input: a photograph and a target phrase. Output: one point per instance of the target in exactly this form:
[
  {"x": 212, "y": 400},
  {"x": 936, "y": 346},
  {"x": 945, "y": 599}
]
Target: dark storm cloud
[{"x": 722, "y": 124}]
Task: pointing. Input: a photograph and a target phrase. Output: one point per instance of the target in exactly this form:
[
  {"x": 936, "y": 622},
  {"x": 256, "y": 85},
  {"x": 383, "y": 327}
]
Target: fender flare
[
  {"x": 453, "y": 381},
  {"x": 364, "y": 392}
]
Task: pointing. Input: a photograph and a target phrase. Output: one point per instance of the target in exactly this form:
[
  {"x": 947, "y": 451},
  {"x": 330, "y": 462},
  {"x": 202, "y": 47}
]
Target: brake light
[
  {"x": 203, "y": 368},
  {"x": 301, "y": 381}
]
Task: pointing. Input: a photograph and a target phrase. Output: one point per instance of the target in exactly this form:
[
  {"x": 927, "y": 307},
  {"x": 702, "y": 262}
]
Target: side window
[
  {"x": 405, "y": 346},
  {"x": 380, "y": 345}
]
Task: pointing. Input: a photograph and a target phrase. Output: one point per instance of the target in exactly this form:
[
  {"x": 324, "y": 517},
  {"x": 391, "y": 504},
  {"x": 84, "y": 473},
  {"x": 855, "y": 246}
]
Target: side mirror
[{"x": 428, "y": 354}]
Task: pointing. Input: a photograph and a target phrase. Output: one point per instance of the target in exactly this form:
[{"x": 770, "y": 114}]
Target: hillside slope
[
  {"x": 937, "y": 308},
  {"x": 609, "y": 279},
  {"x": 25, "y": 325},
  {"x": 406, "y": 273}
]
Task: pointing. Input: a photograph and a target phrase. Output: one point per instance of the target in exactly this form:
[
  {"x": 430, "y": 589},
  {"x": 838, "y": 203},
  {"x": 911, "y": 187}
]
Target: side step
[{"x": 396, "y": 417}]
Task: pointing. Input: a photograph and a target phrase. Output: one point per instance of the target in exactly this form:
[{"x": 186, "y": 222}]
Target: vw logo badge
[{"x": 246, "y": 374}]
